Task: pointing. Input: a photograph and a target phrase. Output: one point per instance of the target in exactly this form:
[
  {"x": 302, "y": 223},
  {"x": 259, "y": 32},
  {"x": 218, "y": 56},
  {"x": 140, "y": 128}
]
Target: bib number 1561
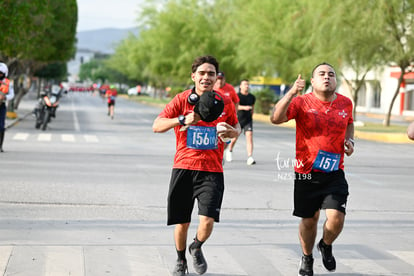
[{"x": 200, "y": 137}]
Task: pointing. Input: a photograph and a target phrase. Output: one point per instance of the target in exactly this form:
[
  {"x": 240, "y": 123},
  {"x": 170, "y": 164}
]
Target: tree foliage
[
  {"x": 270, "y": 37},
  {"x": 37, "y": 32},
  {"x": 397, "y": 22}
]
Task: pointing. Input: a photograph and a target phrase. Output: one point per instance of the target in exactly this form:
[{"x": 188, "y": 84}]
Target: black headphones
[{"x": 193, "y": 98}]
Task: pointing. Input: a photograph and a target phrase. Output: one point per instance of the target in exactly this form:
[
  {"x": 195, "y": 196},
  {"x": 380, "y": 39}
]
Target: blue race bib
[
  {"x": 326, "y": 161},
  {"x": 201, "y": 137}
]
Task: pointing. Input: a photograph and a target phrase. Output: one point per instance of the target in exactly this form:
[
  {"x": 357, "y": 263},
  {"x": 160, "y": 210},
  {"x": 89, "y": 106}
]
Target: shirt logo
[
  {"x": 312, "y": 110},
  {"x": 343, "y": 113}
]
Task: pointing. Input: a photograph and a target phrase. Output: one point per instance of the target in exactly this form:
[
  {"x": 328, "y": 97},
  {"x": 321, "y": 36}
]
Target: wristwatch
[
  {"x": 181, "y": 120},
  {"x": 352, "y": 141}
]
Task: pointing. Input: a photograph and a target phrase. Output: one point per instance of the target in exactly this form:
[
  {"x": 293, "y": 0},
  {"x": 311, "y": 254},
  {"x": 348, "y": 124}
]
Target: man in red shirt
[
  {"x": 197, "y": 170},
  {"x": 226, "y": 89},
  {"x": 324, "y": 133}
]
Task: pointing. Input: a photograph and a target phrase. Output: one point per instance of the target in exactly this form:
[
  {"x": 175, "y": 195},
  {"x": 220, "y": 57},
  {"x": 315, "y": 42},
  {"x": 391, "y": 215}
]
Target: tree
[
  {"x": 170, "y": 39},
  {"x": 273, "y": 38},
  {"x": 35, "y": 33},
  {"x": 355, "y": 43},
  {"x": 398, "y": 38},
  {"x": 53, "y": 71}
]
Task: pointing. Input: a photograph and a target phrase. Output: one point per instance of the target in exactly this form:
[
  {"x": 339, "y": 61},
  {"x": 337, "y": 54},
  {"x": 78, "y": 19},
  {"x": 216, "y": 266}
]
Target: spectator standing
[{"x": 6, "y": 94}]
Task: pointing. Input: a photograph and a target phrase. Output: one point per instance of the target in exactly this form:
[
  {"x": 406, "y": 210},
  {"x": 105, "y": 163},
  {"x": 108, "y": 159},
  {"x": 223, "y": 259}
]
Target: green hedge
[{"x": 265, "y": 99}]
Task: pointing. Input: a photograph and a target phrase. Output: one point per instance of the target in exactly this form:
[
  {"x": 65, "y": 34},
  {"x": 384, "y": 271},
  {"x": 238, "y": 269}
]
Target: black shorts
[
  {"x": 319, "y": 190},
  {"x": 188, "y": 185},
  {"x": 111, "y": 103},
  {"x": 246, "y": 126},
  {"x": 3, "y": 112}
]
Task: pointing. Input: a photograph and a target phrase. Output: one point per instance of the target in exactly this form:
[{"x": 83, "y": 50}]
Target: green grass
[
  {"x": 150, "y": 100},
  {"x": 374, "y": 127}
]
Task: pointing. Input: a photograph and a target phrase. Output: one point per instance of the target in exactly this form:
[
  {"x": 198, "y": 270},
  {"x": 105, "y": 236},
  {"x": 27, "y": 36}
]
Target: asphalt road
[{"x": 88, "y": 197}]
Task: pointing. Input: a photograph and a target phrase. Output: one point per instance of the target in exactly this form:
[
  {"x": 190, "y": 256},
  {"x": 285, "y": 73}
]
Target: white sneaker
[
  {"x": 229, "y": 156},
  {"x": 250, "y": 161}
]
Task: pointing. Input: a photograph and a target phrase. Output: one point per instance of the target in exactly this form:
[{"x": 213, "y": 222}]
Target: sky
[{"x": 98, "y": 14}]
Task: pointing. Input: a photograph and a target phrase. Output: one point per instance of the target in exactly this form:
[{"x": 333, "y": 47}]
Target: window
[
  {"x": 376, "y": 99},
  {"x": 362, "y": 96}
]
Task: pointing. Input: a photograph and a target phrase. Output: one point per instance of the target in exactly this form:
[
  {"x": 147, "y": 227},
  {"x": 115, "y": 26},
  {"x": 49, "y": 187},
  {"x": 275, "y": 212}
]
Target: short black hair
[
  {"x": 204, "y": 59},
  {"x": 323, "y": 63}
]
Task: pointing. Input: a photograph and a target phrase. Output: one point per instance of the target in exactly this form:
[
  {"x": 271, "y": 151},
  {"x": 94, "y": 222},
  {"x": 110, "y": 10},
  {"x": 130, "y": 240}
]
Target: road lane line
[
  {"x": 68, "y": 138},
  {"x": 21, "y": 136},
  {"x": 361, "y": 264},
  {"x": 5, "y": 252},
  {"x": 45, "y": 137},
  {"x": 64, "y": 260},
  {"x": 75, "y": 118},
  {"x": 406, "y": 256},
  {"x": 91, "y": 138}
]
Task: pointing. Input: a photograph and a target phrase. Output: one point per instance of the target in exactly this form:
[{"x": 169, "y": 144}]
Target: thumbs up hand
[{"x": 299, "y": 85}]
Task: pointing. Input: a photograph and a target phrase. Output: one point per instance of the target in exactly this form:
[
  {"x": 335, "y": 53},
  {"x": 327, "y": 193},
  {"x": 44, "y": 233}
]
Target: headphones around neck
[{"x": 193, "y": 98}]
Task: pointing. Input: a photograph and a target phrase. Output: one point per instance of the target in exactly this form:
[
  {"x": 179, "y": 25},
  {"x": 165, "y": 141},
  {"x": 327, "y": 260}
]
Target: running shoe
[
  {"x": 327, "y": 258},
  {"x": 229, "y": 156},
  {"x": 306, "y": 266},
  {"x": 250, "y": 161},
  {"x": 199, "y": 263},
  {"x": 180, "y": 268}
]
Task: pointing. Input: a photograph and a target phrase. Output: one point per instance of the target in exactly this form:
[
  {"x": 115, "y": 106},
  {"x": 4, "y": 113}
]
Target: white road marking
[
  {"x": 75, "y": 118},
  {"x": 68, "y": 138},
  {"x": 64, "y": 260},
  {"x": 21, "y": 136},
  {"x": 406, "y": 256},
  {"x": 91, "y": 138},
  {"x": 5, "y": 252},
  {"x": 44, "y": 137}
]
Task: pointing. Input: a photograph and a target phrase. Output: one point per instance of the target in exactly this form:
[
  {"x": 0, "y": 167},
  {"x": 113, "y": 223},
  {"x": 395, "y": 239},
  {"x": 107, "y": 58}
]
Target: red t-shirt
[
  {"x": 197, "y": 159},
  {"x": 228, "y": 91},
  {"x": 319, "y": 129},
  {"x": 111, "y": 94}
]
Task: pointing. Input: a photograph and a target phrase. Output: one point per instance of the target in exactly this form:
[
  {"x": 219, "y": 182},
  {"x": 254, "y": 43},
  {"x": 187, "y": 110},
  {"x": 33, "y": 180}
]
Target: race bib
[
  {"x": 201, "y": 137},
  {"x": 326, "y": 161}
]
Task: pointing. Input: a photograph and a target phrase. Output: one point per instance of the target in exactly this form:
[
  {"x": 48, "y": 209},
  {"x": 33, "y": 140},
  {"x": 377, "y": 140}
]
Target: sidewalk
[{"x": 25, "y": 109}]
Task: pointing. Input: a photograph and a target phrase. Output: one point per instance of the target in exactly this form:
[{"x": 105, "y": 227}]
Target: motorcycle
[{"x": 46, "y": 108}]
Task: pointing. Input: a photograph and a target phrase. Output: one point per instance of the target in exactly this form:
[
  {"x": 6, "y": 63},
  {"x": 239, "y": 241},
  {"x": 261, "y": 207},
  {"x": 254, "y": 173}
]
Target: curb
[
  {"x": 11, "y": 115},
  {"x": 393, "y": 138},
  {"x": 16, "y": 120}
]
